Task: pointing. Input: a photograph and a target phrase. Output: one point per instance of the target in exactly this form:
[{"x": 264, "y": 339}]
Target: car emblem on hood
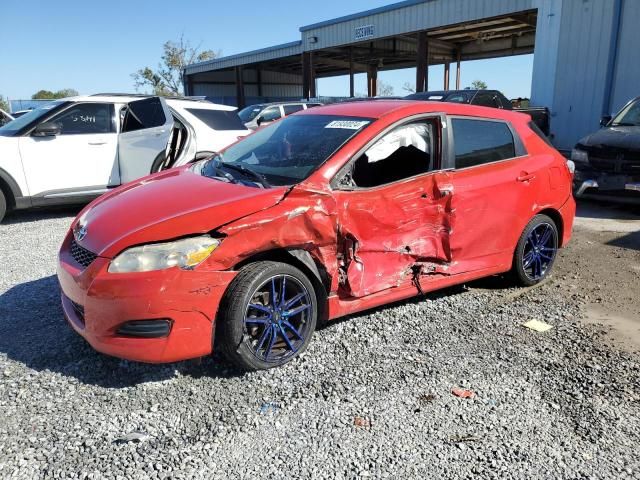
[{"x": 80, "y": 232}]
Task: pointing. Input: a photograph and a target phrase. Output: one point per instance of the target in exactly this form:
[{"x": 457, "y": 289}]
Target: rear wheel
[
  {"x": 536, "y": 251},
  {"x": 267, "y": 316},
  {"x": 3, "y": 205}
]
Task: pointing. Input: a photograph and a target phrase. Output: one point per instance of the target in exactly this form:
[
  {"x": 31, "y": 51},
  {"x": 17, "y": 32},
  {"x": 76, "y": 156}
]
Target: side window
[
  {"x": 270, "y": 114},
  {"x": 456, "y": 98},
  {"x": 481, "y": 141},
  {"x": 404, "y": 152},
  {"x": 85, "y": 118},
  {"x": 486, "y": 99},
  {"x": 289, "y": 109},
  {"x": 147, "y": 113}
]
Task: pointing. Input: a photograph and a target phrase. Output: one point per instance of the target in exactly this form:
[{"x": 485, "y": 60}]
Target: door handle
[
  {"x": 525, "y": 177},
  {"x": 98, "y": 142}
]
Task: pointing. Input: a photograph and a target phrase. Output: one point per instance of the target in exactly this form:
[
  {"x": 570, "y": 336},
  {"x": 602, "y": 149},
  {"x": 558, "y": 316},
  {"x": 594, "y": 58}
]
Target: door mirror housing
[
  {"x": 604, "y": 121},
  {"x": 259, "y": 120},
  {"x": 47, "y": 129}
]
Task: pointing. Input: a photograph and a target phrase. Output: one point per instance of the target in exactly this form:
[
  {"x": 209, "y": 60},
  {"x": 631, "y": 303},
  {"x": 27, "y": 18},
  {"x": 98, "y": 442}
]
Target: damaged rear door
[{"x": 393, "y": 217}]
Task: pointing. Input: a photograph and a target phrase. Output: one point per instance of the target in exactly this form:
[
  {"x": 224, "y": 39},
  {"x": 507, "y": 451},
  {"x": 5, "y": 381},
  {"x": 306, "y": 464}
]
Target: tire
[
  {"x": 157, "y": 163},
  {"x": 3, "y": 205},
  {"x": 536, "y": 251},
  {"x": 255, "y": 333}
]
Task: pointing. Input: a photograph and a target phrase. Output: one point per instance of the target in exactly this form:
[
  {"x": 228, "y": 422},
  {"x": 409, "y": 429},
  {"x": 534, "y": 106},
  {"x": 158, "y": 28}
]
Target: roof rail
[{"x": 194, "y": 98}]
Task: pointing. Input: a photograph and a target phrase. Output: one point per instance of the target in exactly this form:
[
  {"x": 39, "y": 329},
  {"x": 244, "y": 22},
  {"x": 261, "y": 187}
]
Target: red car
[{"x": 327, "y": 212}]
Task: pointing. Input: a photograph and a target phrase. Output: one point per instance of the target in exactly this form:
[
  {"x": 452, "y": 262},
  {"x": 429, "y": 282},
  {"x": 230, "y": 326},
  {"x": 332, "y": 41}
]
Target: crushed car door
[
  {"x": 145, "y": 130},
  {"x": 393, "y": 218}
]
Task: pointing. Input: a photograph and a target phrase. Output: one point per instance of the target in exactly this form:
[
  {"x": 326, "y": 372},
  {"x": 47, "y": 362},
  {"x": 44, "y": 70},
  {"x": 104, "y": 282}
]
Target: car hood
[
  {"x": 165, "y": 206},
  {"x": 627, "y": 138}
]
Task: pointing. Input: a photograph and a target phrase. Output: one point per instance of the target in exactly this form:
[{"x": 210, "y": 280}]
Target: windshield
[
  {"x": 249, "y": 113},
  {"x": 18, "y": 124},
  {"x": 285, "y": 152},
  {"x": 629, "y": 115}
]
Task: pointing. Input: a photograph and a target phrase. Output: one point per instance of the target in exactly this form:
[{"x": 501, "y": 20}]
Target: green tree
[
  {"x": 4, "y": 105},
  {"x": 168, "y": 77},
  {"x": 49, "y": 95},
  {"x": 479, "y": 85}
]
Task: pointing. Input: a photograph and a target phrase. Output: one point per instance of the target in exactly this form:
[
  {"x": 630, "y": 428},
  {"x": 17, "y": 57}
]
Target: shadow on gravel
[
  {"x": 629, "y": 241},
  {"x": 28, "y": 216},
  {"x": 33, "y": 331}
]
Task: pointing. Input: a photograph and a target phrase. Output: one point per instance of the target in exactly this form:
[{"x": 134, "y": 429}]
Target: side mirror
[
  {"x": 604, "y": 121},
  {"x": 259, "y": 120},
  {"x": 47, "y": 129}
]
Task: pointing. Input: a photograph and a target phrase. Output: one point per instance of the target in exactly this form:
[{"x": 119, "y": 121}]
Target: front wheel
[
  {"x": 536, "y": 251},
  {"x": 267, "y": 316},
  {"x": 3, "y": 205}
]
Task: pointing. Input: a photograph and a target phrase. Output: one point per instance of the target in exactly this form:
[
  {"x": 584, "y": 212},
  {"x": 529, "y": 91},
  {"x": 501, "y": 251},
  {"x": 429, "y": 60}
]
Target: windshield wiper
[{"x": 247, "y": 172}]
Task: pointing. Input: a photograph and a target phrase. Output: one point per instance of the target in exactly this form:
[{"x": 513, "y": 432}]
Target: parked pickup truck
[
  {"x": 485, "y": 98},
  {"x": 608, "y": 160}
]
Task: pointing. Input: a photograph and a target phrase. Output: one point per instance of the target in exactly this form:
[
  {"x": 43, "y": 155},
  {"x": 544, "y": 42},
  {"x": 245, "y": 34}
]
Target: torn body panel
[{"x": 385, "y": 232}]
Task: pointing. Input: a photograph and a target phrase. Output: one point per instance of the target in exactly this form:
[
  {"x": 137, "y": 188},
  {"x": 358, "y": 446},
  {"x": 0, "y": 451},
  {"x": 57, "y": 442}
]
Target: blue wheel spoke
[
  {"x": 545, "y": 236},
  {"x": 261, "y": 308},
  {"x": 283, "y": 287},
  {"x": 528, "y": 259},
  {"x": 271, "y": 342},
  {"x": 257, "y": 320},
  {"x": 291, "y": 302},
  {"x": 273, "y": 302},
  {"x": 263, "y": 337},
  {"x": 292, "y": 328},
  {"x": 546, "y": 257},
  {"x": 296, "y": 311},
  {"x": 283, "y": 334}
]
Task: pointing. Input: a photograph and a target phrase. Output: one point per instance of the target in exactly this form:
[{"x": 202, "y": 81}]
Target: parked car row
[{"x": 261, "y": 114}]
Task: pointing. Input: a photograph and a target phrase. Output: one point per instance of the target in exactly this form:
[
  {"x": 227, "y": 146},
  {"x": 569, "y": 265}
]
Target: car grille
[
  {"x": 615, "y": 161},
  {"x": 81, "y": 255}
]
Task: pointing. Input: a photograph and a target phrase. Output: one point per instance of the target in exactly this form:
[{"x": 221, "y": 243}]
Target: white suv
[{"x": 72, "y": 150}]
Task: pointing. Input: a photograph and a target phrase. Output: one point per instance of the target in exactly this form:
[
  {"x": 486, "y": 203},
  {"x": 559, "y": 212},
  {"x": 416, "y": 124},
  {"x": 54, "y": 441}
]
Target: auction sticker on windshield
[{"x": 347, "y": 124}]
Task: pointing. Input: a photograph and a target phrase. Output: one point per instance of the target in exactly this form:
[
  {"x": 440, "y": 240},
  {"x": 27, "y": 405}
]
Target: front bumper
[
  {"x": 97, "y": 303},
  {"x": 591, "y": 181}
]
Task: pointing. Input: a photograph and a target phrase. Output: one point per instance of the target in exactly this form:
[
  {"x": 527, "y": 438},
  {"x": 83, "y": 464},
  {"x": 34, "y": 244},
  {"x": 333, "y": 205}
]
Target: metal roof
[
  {"x": 365, "y": 13},
  {"x": 262, "y": 54}
]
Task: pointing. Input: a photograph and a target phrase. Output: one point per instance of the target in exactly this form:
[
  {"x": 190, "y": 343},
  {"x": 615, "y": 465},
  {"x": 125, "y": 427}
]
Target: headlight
[
  {"x": 579, "y": 156},
  {"x": 185, "y": 253}
]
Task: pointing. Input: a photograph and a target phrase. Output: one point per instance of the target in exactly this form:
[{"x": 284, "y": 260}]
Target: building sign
[{"x": 365, "y": 31}]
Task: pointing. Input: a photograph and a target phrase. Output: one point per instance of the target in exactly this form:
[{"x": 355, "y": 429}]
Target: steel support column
[
  {"x": 458, "y": 69},
  {"x": 446, "y": 76},
  {"x": 372, "y": 81},
  {"x": 239, "y": 88},
  {"x": 422, "y": 63},
  {"x": 351, "y": 83}
]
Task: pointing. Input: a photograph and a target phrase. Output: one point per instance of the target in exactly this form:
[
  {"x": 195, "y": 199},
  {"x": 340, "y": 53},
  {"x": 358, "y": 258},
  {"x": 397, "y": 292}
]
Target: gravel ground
[{"x": 370, "y": 398}]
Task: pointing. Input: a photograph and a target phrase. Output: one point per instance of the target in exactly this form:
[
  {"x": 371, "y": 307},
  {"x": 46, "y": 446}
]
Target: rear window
[
  {"x": 141, "y": 114},
  {"x": 218, "y": 119},
  {"x": 481, "y": 141},
  {"x": 289, "y": 109},
  {"x": 540, "y": 133}
]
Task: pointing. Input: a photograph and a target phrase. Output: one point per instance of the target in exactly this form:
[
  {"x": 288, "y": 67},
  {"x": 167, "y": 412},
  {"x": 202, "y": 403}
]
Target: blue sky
[{"x": 95, "y": 46}]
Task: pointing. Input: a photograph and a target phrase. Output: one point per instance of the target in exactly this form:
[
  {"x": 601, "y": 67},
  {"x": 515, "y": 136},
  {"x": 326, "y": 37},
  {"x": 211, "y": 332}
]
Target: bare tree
[
  {"x": 168, "y": 78},
  {"x": 409, "y": 87},
  {"x": 384, "y": 89}
]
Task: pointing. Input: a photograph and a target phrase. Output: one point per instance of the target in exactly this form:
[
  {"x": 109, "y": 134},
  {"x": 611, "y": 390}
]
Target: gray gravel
[{"x": 558, "y": 404}]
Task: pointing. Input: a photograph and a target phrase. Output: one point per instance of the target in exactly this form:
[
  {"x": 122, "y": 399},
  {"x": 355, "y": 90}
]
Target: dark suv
[
  {"x": 608, "y": 160},
  {"x": 485, "y": 98}
]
